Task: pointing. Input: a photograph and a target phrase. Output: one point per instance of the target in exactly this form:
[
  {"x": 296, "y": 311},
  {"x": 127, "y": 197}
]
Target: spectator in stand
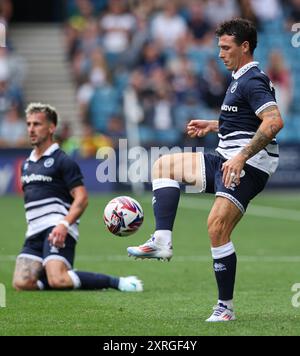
[
  {"x": 139, "y": 39},
  {"x": 118, "y": 25},
  {"x": 12, "y": 68},
  {"x": 6, "y": 11},
  {"x": 91, "y": 39},
  {"x": 9, "y": 96},
  {"x": 90, "y": 142},
  {"x": 200, "y": 28},
  {"x": 159, "y": 80},
  {"x": 96, "y": 75},
  {"x": 85, "y": 146},
  {"x": 81, "y": 13},
  {"x": 168, "y": 27},
  {"x": 294, "y": 13},
  {"x": 181, "y": 70},
  {"x": 267, "y": 10},
  {"x": 115, "y": 130},
  {"x": 217, "y": 11},
  {"x": 13, "y": 132},
  {"x": 213, "y": 85},
  {"x": 247, "y": 12},
  {"x": 89, "y": 42},
  {"x": 151, "y": 58},
  {"x": 97, "y": 68}
]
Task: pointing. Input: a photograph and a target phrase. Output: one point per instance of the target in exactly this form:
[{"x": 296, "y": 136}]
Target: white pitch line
[
  {"x": 254, "y": 210},
  {"x": 200, "y": 258}
]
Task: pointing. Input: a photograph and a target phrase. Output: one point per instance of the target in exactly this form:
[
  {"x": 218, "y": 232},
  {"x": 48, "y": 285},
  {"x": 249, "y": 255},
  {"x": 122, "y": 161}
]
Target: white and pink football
[{"x": 123, "y": 216}]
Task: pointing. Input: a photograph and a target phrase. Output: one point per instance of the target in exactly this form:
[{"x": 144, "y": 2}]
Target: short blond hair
[{"x": 47, "y": 109}]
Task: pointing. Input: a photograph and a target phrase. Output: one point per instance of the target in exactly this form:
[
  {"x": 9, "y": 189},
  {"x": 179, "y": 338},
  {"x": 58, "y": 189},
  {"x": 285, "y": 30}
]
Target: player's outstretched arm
[
  {"x": 271, "y": 124},
  {"x": 200, "y": 128}
]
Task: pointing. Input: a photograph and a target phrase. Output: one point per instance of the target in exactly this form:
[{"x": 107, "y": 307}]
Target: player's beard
[{"x": 38, "y": 141}]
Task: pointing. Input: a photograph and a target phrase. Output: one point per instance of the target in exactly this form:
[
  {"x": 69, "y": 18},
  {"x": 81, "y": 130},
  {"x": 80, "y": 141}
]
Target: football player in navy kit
[
  {"x": 55, "y": 198},
  {"x": 246, "y": 156}
]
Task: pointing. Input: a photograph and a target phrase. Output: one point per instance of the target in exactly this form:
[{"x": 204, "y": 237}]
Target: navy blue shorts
[
  {"x": 38, "y": 248},
  {"x": 252, "y": 182}
]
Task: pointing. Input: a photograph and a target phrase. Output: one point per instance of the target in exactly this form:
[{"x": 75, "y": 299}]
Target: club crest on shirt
[
  {"x": 49, "y": 162},
  {"x": 233, "y": 88}
]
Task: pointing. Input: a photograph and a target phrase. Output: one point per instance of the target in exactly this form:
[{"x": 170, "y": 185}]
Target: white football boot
[
  {"x": 151, "y": 249},
  {"x": 130, "y": 284},
  {"x": 221, "y": 313}
]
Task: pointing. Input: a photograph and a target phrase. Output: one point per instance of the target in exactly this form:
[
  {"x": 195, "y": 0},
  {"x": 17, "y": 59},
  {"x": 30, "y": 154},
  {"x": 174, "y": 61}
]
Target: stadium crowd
[
  {"x": 162, "y": 56},
  {"x": 159, "y": 58}
]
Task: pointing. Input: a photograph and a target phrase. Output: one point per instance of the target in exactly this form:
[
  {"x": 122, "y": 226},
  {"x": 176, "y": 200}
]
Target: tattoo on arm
[
  {"x": 259, "y": 141},
  {"x": 271, "y": 125},
  {"x": 272, "y": 116}
]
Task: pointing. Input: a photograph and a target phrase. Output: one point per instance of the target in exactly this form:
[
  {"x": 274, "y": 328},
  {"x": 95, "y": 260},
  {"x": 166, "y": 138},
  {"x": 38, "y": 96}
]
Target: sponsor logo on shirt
[
  {"x": 229, "y": 108},
  {"x": 35, "y": 178}
]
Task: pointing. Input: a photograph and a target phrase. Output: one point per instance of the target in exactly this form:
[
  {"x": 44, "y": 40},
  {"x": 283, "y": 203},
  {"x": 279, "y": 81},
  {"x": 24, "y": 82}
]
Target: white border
[
  {"x": 58, "y": 258},
  {"x": 222, "y": 251},
  {"x": 263, "y": 107},
  {"x": 244, "y": 69},
  {"x": 75, "y": 279},
  {"x": 32, "y": 257},
  {"x": 203, "y": 171},
  {"x": 232, "y": 199},
  {"x": 164, "y": 183}
]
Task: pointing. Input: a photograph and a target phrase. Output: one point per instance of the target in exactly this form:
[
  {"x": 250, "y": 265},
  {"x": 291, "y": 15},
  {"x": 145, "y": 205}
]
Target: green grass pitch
[{"x": 178, "y": 295}]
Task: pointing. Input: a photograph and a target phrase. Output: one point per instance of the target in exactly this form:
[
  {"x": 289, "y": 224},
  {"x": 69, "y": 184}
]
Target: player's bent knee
[
  {"x": 181, "y": 167},
  {"x": 216, "y": 229},
  {"x": 163, "y": 167},
  {"x": 21, "y": 285},
  {"x": 57, "y": 275},
  {"x": 58, "y": 282}
]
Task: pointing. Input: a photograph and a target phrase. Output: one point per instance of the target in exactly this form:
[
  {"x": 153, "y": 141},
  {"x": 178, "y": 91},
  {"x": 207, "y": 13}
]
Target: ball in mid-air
[{"x": 123, "y": 216}]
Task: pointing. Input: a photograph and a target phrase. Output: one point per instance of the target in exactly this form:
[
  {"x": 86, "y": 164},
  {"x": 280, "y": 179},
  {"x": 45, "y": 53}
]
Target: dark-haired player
[
  {"x": 55, "y": 198},
  {"x": 246, "y": 156}
]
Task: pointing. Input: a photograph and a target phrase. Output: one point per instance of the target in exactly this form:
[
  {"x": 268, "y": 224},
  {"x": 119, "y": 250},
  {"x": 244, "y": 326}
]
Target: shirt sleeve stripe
[{"x": 263, "y": 107}]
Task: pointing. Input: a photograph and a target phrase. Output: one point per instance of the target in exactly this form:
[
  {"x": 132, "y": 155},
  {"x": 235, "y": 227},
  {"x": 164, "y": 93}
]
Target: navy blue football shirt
[
  {"x": 249, "y": 93},
  {"x": 47, "y": 183}
]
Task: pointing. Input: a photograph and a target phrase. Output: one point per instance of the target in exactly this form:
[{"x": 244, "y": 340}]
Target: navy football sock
[
  {"x": 166, "y": 194},
  {"x": 225, "y": 269},
  {"x": 93, "y": 281},
  {"x": 224, "y": 263}
]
